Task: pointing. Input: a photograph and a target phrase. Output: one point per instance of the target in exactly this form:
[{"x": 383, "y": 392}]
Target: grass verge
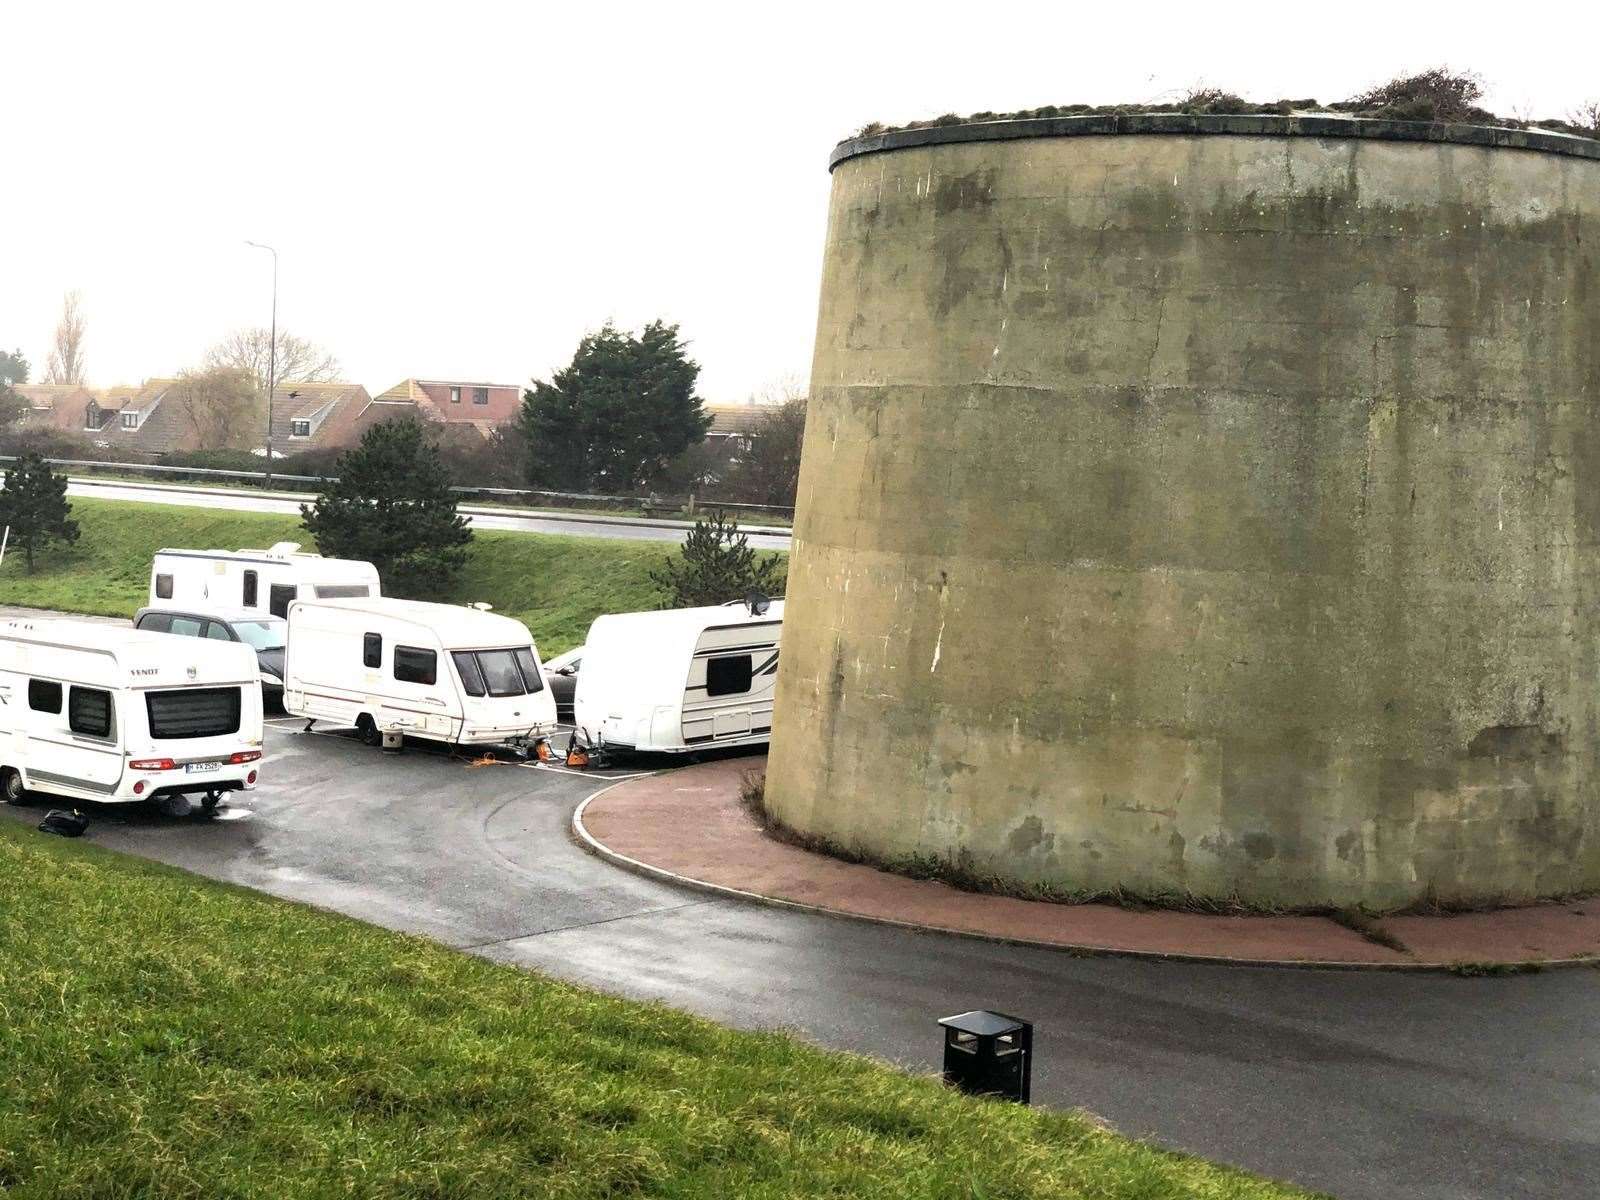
[
  {"x": 166, "y": 1036},
  {"x": 555, "y": 584}
]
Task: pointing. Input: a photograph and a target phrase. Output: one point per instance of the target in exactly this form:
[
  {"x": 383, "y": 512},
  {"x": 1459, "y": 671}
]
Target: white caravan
[
  {"x": 450, "y": 672},
  {"x": 264, "y": 581},
  {"x": 680, "y": 679},
  {"x": 109, "y": 713}
]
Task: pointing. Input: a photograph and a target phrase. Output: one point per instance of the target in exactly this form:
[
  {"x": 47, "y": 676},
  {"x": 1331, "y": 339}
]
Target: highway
[{"x": 520, "y": 520}]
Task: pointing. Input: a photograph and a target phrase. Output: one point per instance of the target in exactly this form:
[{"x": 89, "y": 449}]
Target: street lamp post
[{"x": 272, "y": 351}]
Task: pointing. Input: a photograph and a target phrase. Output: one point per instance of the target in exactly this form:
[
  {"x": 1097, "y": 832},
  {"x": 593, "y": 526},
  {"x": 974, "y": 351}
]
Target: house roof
[
  {"x": 432, "y": 397},
  {"x": 729, "y": 419},
  {"x": 331, "y": 409},
  {"x": 161, "y": 428}
]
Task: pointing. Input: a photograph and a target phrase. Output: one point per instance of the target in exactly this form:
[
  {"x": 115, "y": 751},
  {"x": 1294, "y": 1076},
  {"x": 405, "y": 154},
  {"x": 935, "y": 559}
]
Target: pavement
[
  {"x": 479, "y": 516},
  {"x": 1362, "y": 1084},
  {"x": 690, "y": 827}
]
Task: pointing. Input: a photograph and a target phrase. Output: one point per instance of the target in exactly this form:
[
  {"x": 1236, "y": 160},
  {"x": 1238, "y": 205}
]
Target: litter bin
[{"x": 989, "y": 1054}]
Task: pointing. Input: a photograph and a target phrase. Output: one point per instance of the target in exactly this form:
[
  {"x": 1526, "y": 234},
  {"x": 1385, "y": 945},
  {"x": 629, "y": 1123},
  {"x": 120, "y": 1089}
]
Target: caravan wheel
[
  {"x": 368, "y": 729},
  {"x": 11, "y": 786}
]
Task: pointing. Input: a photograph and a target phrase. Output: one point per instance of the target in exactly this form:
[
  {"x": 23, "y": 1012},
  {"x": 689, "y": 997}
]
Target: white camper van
[
  {"x": 449, "y": 672},
  {"x": 108, "y": 713},
  {"x": 680, "y": 679},
  {"x": 263, "y": 581}
]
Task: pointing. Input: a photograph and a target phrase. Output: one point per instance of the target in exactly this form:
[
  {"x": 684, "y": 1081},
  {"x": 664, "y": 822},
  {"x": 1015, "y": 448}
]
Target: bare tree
[
  {"x": 220, "y": 407},
  {"x": 298, "y": 361},
  {"x": 66, "y": 355},
  {"x": 1587, "y": 118}
]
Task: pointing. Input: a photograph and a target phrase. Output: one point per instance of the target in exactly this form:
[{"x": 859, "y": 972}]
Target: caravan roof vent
[
  {"x": 284, "y": 548},
  {"x": 481, "y": 606}
]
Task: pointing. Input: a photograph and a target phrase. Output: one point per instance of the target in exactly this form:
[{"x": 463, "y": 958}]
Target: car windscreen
[
  {"x": 262, "y": 635},
  {"x": 193, "y": 712}
]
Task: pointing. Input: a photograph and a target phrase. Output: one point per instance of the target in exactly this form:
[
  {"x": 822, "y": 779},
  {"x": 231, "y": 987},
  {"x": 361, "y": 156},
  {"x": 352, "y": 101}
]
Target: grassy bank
[
  {"x": 555, "y": 584},
  {"x": 164, "y": 1036}
]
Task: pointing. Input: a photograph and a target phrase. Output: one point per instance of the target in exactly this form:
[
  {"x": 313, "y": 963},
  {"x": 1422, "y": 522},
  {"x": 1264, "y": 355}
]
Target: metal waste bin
[{"x": 989, "y": 1054}]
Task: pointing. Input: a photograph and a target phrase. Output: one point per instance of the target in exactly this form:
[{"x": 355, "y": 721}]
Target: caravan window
[
  {"x": 193, "y": 713},
  {"x": 279, "y": 598},
  {"x": 44, "y": 695},
  {"x": 500, "y": 672},
  {"x": 467, "y": 667},
  {"x": 89, "y": 712},
  {"x": 415, "y": 665},
  {"x": 250, "y": 589},
  {"x": 372, "y": 650},
  {"x": 340, "y": 591},
  {"x": 163, "y": 587},
  {"x": 531, "y": 675},
  {"x": 728, "y": 676}
]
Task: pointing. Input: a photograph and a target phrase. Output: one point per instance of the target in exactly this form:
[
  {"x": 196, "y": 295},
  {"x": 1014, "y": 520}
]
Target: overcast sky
[{"x": 461, "y": 190}]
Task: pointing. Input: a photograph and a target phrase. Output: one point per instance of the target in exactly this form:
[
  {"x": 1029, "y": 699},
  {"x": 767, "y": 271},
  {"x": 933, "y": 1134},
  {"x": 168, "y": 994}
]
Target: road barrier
[{"x": 651, "y": 505}]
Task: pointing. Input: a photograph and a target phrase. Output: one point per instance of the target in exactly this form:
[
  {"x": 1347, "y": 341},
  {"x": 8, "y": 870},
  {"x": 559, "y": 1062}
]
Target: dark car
[
  {"x": 561, "y": 674},
  {"x": 267, "y": 635}
]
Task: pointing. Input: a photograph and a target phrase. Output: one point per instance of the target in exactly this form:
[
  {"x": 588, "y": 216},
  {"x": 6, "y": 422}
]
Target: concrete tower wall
[{"x": 1205, "y": 513}]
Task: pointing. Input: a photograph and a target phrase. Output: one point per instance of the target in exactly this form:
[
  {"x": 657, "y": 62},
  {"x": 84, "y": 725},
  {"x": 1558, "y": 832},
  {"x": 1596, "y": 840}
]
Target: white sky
[{"x": 461, "y": 190}]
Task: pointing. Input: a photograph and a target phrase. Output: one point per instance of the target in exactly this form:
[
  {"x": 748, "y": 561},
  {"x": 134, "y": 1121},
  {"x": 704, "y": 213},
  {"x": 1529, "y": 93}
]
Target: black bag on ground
[{"x": 67, "y": 824}]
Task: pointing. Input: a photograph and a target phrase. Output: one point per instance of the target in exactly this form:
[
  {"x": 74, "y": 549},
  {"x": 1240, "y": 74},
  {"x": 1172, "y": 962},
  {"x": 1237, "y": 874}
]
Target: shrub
[{"x": 716, "y": 565}]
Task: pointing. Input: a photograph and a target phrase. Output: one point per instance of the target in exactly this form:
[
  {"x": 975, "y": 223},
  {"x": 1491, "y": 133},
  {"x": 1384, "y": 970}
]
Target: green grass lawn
[
  {"x": 165, "y": 1036},
  {"x": 555, "y": 584}
]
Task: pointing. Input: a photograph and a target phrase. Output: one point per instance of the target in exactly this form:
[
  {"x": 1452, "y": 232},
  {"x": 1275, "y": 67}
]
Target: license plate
[{"x": 197, "y": 768}]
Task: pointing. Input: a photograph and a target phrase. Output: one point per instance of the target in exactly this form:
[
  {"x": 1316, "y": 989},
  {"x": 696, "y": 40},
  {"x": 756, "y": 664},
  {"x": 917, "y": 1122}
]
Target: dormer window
[
  {"x": 130, "y": 420},
  {"x": 298, "y": 428}
]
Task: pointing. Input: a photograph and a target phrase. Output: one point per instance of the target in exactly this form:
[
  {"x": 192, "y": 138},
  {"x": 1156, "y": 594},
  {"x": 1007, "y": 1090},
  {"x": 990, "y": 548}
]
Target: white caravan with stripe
[
  {"x": 680, "y": 679},
  {"x": 109, "y": 713}
]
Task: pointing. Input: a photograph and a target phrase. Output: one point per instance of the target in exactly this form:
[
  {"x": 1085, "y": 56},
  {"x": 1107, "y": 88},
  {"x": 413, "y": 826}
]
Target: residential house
[
  {"x": 317, "y": 416},
  {"x": 137, "y": 420},
  {"x": 54, "y": 405},
  {"x": 455, "y": 402}
]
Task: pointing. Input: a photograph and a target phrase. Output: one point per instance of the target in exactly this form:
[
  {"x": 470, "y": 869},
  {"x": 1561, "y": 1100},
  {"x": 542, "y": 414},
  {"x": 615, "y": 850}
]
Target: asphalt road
[
  {"x": 573, "y": 525},
  {"x": 1360, "y": 1084}
]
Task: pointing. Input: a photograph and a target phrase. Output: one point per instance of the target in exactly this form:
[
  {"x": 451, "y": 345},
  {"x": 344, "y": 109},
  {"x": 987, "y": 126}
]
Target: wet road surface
[{"x": 1360, "y": 1084}]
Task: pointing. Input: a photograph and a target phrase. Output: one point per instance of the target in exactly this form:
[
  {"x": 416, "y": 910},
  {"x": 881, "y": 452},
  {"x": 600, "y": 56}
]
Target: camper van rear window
[
  {"x": 193, "y": 712},
  {"x": 89, "y": 712},
  {"x": 250, "y": 585},
  {"x": 340, "y": 591},
  {"x": 163, "y": 587},
  {"x": 728, "y": 676},
  {"x": 44, "y": 695},
  {"x": 415, "y": 665}
]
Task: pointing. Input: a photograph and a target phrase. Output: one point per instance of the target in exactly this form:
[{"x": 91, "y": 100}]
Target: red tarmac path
[{"x": 688, "y": 825}]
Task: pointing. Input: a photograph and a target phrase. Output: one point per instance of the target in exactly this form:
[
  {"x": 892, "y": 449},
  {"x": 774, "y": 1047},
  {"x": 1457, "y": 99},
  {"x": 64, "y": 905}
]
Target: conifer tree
[
  {"x": 34, "y": 504},
  {"x": 392, "y": 506},
  {"x": 716, "y": 565}
]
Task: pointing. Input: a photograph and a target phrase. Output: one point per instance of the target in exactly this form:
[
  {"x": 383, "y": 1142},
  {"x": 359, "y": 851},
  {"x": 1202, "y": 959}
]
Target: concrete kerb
[{"x": 592, "y": 845}]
